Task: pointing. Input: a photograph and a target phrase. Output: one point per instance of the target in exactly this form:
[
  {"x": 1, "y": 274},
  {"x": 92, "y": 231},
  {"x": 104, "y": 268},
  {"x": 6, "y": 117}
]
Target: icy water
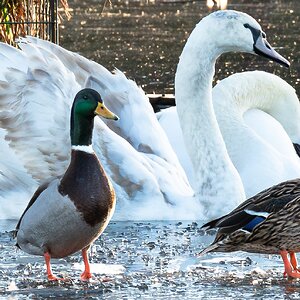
[
  {"x": 146, "y": 260},
  {"x": 157, "y": 260},
  {"x": 145, "y": 38}
]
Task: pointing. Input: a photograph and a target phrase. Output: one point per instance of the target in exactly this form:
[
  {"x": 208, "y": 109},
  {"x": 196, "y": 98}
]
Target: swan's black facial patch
[
  {"x": 297, "y": 148},
  {"x": 262, "y": 47},
  {"x": 255, "y": 32}
]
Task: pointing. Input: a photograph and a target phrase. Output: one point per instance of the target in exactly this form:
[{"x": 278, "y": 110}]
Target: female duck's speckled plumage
[
  {"x": 266, "y": 223},
  {"x": 67, "y": 213}
]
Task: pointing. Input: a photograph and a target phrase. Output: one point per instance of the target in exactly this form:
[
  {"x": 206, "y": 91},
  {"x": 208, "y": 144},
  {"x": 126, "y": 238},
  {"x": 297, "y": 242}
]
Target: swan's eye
[{"x": 255, "y": 32}]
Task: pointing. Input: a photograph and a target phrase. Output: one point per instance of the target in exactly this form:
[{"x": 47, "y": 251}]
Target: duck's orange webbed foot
[
  {"x": 86, "y": 275},
  {"x": 292, "y": 274},
  {"x": 290, "y": 266},
  {"x": 294, "y": 261},
  {"x": 50, "y": 275}
]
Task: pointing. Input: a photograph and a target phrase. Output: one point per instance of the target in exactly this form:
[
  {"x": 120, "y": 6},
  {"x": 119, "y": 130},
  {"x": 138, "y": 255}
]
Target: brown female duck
[{"x": 266, "y": 223}]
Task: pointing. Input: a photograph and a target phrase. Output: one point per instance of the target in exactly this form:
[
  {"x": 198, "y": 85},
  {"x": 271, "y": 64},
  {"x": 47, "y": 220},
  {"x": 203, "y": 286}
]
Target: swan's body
[
  {"x": 146, "y": 174},
  {"x": 149, "y": 181},
  {"x": 258, "y": 114}
]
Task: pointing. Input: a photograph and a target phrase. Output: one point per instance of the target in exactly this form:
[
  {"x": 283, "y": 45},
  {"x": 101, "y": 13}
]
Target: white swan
[
  {"x": 216, "y": 179},
  {"x": 258, "y": 114},
  {"x": 136, "y": 155},
  {"x": 35, "y": 85}
]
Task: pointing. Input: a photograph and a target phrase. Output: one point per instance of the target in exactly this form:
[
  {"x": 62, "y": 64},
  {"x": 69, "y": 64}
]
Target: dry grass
[{"x": 26, "y": 17}]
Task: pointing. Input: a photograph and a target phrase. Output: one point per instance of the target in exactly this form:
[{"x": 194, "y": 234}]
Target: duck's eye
[
  {"x": 85, "y": 97},
  {"x": 263, "y": 35}
]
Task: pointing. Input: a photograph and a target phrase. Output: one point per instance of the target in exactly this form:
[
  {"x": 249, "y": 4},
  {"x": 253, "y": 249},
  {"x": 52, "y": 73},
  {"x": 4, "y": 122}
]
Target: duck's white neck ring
[{"x": 87, "y": 149}]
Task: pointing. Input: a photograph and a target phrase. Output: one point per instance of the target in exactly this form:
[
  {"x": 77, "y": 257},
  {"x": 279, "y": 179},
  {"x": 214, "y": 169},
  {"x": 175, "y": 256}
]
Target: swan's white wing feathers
[
  {"x": 30, "y": 102},
  {"x": 35, "y": 114},
  {"x": 139, "y": 178},
  {"x": 121, "y": 95},
  {"x": 169, "y": 121},
  {"x": 137, "y": 123}
]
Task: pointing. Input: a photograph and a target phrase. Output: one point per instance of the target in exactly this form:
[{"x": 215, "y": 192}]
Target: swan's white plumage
[
  {"x": 258, "y": 114},
  {"x": 146, "y": 174},
  {"x": 259, "y": 142},
  {"x": 35, "y": 110},
  {"x": 216, "y": 179}
]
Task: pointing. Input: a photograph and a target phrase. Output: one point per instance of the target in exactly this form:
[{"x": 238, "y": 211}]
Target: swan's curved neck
[
  {"x": 215, "y": 174},
  {"x": 238, "y": 93}
]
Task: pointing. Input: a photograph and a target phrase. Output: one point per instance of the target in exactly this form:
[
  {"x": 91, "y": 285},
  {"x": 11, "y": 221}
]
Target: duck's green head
[{"x": 87, "y": 104}]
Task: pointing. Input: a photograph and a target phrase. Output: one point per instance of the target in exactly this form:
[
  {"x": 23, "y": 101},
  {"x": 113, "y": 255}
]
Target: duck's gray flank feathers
[{"x": 37, "y": 193}]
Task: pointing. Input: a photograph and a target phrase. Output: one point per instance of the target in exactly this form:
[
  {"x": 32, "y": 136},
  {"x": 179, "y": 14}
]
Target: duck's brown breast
[{"x": 87, "y": 185}]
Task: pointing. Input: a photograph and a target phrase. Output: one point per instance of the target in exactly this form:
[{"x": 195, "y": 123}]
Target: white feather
[
  {"x": 35, "y": 111},
  {"x": 87, "y": 149},
  {"x": 257, "y": 213},
  {"x": 135, "y": 152},
  {"x": 257, "y": 113}
]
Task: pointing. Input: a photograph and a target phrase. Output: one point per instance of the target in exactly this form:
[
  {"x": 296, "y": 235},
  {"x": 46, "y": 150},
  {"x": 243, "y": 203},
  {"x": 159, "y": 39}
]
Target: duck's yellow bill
[{"x": 104, "y": 112}]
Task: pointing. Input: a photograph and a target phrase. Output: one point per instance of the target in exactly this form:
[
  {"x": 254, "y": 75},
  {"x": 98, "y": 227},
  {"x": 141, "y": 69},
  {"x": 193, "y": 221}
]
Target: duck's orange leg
[
  {"x": 288, "y": 266},
  {"x": 86, "y": 275},
  {"x": 50, "y": 275},
  {"x": 293, "y": 259}
]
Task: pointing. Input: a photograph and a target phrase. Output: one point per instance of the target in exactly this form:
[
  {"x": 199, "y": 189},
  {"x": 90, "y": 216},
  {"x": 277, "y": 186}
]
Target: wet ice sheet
[{"x": 146, "y": 260}]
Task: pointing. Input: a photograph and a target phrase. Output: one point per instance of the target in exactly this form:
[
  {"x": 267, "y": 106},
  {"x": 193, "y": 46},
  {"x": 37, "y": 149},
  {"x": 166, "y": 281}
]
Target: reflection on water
[
  {"x": 145, "y": 38},
  {"x": 220, "y": 4}
]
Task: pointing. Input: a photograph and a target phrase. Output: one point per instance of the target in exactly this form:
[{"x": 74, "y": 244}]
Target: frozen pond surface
[
  {"x": 157, "y": 260},
  {"x": 145, "y": 260}
]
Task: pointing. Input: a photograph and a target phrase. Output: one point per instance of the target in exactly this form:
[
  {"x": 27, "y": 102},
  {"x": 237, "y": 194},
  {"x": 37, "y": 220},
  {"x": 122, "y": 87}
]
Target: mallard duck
[
  {"x": 67, "y": 213},
  {"x": 136, "y": 154},
  {"x": 266, "y": 223}
]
